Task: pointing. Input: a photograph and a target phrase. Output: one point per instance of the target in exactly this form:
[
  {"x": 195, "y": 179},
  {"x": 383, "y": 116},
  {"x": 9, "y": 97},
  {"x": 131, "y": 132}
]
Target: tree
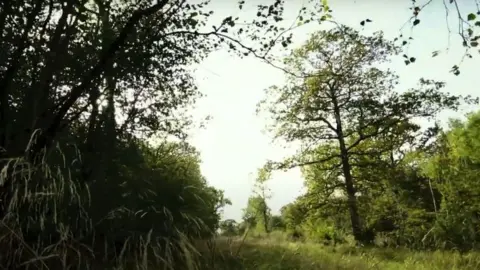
[
  {"x": 134, "y": 58},
  {"x": 276, "y": 223},
  {"x": 453, "y": 168},
  {"x": 228, "y": 227},
  {"x": 336, "y": 93},
  {"x": 257, "y": 213},
  {"x": 82, "y": 85},
  {"x": 293, "y": 214}
]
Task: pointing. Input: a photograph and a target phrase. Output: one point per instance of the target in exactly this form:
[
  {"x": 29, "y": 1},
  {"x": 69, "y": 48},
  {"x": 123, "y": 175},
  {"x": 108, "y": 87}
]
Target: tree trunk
[
  {"x": 265, "y": 218},
  {"x": 357, "y": 228},
  {"x": 109, "y": 122}
]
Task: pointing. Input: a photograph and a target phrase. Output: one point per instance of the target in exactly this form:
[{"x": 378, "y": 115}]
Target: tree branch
[
  {"x": 93, "y": 75},
  {"x": 285, "y": 166},
  {"x": 373, "y": 134}
]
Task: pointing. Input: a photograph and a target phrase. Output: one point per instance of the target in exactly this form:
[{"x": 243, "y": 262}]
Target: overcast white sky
[{"x": 233, "y": 146}]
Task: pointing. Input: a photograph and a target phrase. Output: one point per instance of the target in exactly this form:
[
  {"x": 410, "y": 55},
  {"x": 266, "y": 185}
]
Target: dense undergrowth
[{"x": 120, "y": 222}]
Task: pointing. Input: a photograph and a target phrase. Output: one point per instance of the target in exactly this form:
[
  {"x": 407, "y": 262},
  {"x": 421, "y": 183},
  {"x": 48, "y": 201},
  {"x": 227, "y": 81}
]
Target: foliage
[
  {"x": 228, "y": 227},
  {"x": 453, "y": 169},
  {"x": 337, "y": 95},
  {"x": 276, "y": 223},
  {"x": 257, "y": 213},
  {"x": 157, "y": 200},
  {"x": 83, "y": 85}
]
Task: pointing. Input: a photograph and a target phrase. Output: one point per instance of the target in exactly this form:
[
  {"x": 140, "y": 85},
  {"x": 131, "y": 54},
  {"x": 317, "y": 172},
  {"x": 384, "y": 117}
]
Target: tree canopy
[{"x": 338, "y": 94}]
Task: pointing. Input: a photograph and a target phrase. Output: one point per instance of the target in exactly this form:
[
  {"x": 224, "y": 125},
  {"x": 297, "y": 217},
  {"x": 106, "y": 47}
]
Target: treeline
[{"x": 373, "y": 174}]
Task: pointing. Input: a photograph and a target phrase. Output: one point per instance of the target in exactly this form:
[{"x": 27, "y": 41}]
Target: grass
[{"x": 275, "y": 254}]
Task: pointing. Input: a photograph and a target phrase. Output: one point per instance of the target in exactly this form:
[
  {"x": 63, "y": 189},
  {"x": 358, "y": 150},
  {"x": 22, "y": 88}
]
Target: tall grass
[{"x": 47, "y": 223}]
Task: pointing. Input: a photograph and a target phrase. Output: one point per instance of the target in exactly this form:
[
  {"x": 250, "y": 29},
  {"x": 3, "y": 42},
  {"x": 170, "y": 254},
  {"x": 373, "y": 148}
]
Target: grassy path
[{"x": 274, "y": 255}]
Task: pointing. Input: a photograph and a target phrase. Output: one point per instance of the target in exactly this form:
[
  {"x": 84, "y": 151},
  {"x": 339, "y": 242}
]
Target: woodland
[{"x": 96, "y": 171}]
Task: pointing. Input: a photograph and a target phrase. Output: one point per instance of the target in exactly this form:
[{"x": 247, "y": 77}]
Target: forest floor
[{"x": 263, "y": 254}]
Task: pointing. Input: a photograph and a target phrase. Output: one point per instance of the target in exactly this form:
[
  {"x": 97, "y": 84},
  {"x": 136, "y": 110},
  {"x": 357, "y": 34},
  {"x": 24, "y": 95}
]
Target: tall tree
[
  {"x": 336, "y": 92},
  {"x": 257, "y": 213}
]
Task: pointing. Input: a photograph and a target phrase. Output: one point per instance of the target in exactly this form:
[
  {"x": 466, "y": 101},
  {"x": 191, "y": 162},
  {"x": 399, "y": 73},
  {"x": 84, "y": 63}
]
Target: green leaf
[
  {"x": 471, "y": 17},
  {"x": 474, "y": 43},
  {"x": 417, "y": 21},
  {"x": 477, "y": 23},
  {"x": 325, "y": 4}
]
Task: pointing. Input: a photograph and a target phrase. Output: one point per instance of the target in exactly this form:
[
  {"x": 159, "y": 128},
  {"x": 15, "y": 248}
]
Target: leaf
[
  {"x": 362, "y": 23},
  {"x": 435, "y": 53},
  {"x": 471, "y": 17},
  {"x": 405, "y": 56},
  {"x": 412, "y": 59},
  {"x": 455, "y": 70},
  {"x": 404, "y": 42},
  {"x": 477, "y": 23},
  {"x": 407, "y": 62},
  {"x": 417, "y": 21},
  {"x": 474, "y": 43}
]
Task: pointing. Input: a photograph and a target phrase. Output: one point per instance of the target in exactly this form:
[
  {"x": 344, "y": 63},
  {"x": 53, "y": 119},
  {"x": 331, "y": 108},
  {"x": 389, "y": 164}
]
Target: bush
[{"x": 147, "y": 212}]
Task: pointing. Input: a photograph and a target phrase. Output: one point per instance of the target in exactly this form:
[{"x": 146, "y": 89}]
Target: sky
[{"x": 233, "y": 145}]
